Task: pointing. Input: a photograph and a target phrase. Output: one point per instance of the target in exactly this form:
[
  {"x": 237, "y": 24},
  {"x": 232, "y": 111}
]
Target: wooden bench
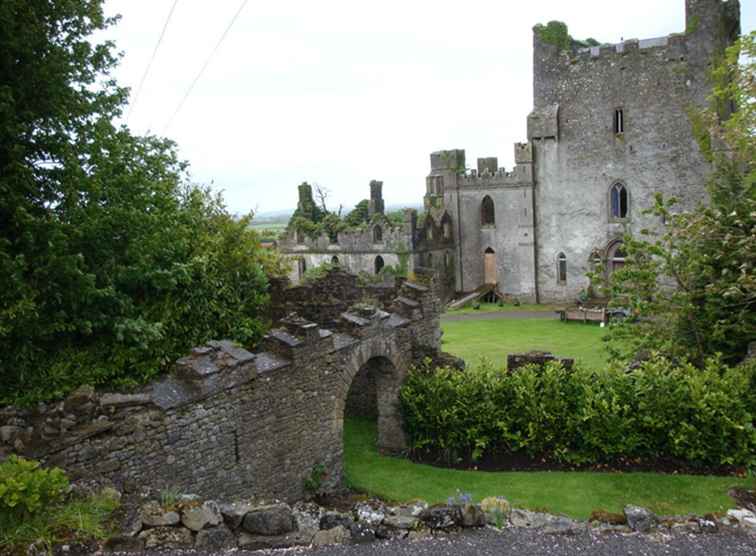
[{"x": 584, "y": 314}]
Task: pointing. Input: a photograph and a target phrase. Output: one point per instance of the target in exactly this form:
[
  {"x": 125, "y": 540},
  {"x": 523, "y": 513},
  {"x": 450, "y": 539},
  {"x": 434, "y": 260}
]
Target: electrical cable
[
  {"x": 204, "y": 66},
  {"x": 152, "y": 59}
]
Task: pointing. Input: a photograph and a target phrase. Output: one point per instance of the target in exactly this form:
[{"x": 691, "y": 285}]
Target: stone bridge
[{"x": 227, "y": 422}]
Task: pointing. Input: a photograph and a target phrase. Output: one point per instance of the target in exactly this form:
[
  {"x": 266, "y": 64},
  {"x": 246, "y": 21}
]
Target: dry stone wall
[{"x": 227, "y": 421}]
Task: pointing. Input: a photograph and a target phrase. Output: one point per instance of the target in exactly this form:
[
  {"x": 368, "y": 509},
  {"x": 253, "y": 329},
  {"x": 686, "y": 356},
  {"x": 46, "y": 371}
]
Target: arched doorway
[
  {"x": 373, "y": 396},
  {"x": 489, "y": 266},
  {"x": 615, "y": 257},
  {"x": 379, "y": 264}
]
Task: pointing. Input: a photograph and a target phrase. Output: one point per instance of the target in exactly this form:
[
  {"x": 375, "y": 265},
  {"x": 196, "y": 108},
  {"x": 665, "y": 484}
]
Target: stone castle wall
[{"x": 227, "y": 422}]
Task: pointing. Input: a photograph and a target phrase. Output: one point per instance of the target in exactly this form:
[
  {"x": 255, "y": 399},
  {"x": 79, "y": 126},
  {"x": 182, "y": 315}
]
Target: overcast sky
[{"x": 339, "y": 92}]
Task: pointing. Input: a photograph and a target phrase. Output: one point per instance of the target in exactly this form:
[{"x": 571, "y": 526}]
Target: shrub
[
  {"x": 662, "y": 410},
  {"x": 25, "y": 487}
]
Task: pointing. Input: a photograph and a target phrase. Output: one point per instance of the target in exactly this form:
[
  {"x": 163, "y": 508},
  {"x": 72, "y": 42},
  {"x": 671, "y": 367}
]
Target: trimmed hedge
[{"x": 702, "y": 416}]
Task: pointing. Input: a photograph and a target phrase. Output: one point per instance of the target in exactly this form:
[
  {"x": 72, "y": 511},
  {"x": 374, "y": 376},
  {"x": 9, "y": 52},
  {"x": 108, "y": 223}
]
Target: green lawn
[
  {"x": 506, "y": 308},
  {"x": 575, "y": 494},
  {"x": 494, "y": 339}
]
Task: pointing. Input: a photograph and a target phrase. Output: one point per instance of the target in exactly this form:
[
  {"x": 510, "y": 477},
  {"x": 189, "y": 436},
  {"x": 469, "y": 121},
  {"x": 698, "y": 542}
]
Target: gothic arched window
[
  {"x": 619, "y": 201},
  {"x": 487, "y": 214},
  {"x": 377, "y": 234}
]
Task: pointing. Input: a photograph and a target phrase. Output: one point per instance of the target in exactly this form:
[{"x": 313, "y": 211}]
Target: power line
[
  {"x": 204, "y": 66},
  {"x": 152, "y": 59}
]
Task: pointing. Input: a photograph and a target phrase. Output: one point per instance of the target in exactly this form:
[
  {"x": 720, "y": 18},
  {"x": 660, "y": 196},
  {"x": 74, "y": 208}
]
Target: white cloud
[{"x": 340, "y": 92}]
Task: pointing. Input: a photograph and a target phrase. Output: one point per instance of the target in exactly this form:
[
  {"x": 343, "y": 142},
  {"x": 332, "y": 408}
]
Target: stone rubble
[{"x": 213, "y": 526}]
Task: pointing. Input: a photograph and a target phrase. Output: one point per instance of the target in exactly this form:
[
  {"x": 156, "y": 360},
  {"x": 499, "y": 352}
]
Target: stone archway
[
  {"x": 489, "y": 267},
  {"x": 371, "y": 383}
]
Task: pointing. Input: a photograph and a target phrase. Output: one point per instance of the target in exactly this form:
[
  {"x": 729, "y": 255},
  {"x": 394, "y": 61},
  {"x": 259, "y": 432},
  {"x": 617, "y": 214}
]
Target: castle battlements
[
  {"x": 672, "y": 45},
  {"x": 521, "y": 174}
]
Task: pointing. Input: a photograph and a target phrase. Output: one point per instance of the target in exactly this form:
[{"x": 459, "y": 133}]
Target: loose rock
[
  {"x": 166, "y": 537},
  {"x": 276, "y": 519},
  {"x": 202, "y": 517},
  {"x": 152, "y": 515},
  {"x": 640, "y": 519},
  {"x": 335, "y": 535},
  {"x": 217, "y": 538}
]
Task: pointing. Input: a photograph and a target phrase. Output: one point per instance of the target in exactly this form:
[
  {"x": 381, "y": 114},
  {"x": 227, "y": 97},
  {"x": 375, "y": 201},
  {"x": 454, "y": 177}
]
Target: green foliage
[
  {"x": 26, "y": 487},
  {"x": 78, "y": 519},
  {"x": 557, "y": 34},
  {"x": 692, "y": 288},
  {"x": 319, "y": 272},
  {"x": 358, "y": 216},
  {"x": 554, "y": 33},
  {"x": 661, "y": 410},
  {"x": 314, "y": 481},
  {"x": 112, "y": 265},
  {"x": 572, "y": 493}
]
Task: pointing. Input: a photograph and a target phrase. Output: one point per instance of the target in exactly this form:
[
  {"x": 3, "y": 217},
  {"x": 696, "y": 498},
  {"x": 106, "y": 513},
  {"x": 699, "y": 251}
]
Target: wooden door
[{"x": 489, "y": 266}]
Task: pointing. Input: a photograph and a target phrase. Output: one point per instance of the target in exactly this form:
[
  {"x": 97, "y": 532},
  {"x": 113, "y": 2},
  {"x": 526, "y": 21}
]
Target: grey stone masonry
[{"x": 227, "y": 421}]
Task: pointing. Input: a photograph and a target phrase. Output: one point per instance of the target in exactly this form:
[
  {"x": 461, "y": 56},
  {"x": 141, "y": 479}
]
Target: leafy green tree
[
  {"x": 112, "y": 265},
  {"x": 692, "y": 289},
  {"x": 358, "y": 215}
]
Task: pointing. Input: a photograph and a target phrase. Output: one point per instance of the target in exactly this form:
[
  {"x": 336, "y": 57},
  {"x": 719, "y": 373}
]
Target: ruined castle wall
[
  {"x": 579, "y": 156},
  {"x": 229, "y": 423}
]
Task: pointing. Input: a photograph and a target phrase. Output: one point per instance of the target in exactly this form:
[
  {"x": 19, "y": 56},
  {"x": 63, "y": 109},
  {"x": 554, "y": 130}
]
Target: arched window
[
  {"x": 619, "y": 201},
  {"x": 429, "y": 230},
  {"x": 562, "y": 268},
  {"x": 429, "y": 262},
  {"x": 446, "y": 226},
  {"x": 377, "y": 234},
  {"x": 447, "y": 260},
  {"x": 615, "y": 256},
  {"x": 302, "y": 266},
  {"x": 379, "y": 264},
  {"x": 487, "y": 214},
  {"x": 335, "y": 260}
]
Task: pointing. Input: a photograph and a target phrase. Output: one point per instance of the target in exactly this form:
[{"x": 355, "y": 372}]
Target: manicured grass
[
  {"x": 494, "y": 339},
  {"x": 575, "y": 494},
  {"x": 506, "y": 308}
]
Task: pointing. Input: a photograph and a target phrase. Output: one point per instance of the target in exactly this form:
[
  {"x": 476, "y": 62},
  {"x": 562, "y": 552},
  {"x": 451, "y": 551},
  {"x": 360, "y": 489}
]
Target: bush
[
  {"x": 703, "y": 417},
  {"x": 35, "y": 509},
  {"x": 25, "y": 487}
]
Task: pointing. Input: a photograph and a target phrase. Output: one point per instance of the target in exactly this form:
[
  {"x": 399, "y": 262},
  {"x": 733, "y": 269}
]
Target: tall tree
[{"x": 112, "y": 265}]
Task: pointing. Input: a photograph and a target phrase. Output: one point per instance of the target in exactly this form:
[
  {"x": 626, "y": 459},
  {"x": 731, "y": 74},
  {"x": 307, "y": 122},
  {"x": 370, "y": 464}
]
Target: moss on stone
[{"x": 554, "y": 33}]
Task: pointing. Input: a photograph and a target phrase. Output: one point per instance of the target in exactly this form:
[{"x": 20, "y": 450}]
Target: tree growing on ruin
[{"x": 692, "y": 289}]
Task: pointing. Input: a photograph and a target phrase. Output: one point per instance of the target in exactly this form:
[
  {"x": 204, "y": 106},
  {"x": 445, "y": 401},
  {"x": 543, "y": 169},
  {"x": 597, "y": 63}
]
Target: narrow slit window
[
  {"x": 619, "y": 121},
  {"x": 562, "y": 268}
]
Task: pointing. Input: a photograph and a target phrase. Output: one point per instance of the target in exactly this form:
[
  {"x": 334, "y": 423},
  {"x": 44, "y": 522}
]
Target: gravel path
[
  {"x": 507, "y": 315},
  {"x": 522, "y": 542}
]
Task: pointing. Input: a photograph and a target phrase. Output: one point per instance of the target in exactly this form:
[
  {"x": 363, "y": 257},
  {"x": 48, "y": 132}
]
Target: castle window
[
  {"x": 302, "y": 267},
  {"x": 618, "y": 198},
  {"x": 429, "y": 231},
  {"x": 335, "y": 260},
  {"x": 379, "y": 264},
  {"x": 487, "y": 214},
  {"x": 619, "y": 121},
  {"x": 377, "y": 234},
  {"x": 562, "y": 268},
  {"x": 615, "y": 257},
  {"x": 447, "y": 260},
  {"x": 446, "y": 226}
]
